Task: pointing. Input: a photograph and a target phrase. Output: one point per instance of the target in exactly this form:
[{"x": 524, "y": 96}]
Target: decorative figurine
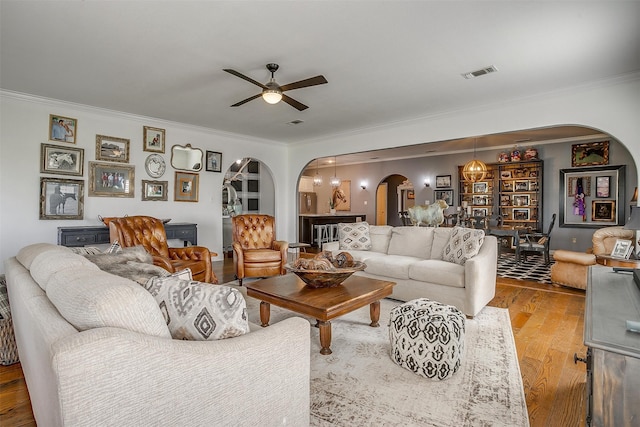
[
  {"x": 531, "y": 153},
  {"x": 515, "y": 154},
  {"x": 503, "y": 157}
]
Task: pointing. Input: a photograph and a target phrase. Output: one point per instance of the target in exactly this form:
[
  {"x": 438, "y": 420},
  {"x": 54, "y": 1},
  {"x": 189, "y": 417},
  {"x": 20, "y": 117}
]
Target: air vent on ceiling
[
  {"x": 481, "y": 72},
  {"x": 295, "y": 122}
]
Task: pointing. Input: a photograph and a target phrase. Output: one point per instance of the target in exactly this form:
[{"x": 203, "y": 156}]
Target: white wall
[{"x": 24, "y": 126}]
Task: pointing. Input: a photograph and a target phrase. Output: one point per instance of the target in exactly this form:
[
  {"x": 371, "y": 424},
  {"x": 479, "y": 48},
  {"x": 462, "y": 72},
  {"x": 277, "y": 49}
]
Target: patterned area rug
[
  {"x": 534, "y": 269},
  {"x": 359, "y": 384}
]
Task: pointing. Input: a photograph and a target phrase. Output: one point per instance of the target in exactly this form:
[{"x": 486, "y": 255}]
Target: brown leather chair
[
  {"x": 149, "y": 232},
  {"x": 256, "y": 252}
]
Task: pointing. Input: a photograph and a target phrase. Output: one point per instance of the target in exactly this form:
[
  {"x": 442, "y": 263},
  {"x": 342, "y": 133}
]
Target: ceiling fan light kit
[{"x": 272, "y": 91}]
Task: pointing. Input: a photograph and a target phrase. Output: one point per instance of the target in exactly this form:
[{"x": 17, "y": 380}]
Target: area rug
[
  {"x": 359, "y": 384},
  {"x": 534, "y": 269}
]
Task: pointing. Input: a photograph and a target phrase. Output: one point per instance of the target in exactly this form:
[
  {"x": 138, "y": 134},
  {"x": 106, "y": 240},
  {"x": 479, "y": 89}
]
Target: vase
[{"x": 332, "y": 211}]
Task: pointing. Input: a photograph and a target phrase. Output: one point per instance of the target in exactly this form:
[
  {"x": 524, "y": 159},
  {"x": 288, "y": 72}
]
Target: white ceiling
[{"x": 385, "y": 62}]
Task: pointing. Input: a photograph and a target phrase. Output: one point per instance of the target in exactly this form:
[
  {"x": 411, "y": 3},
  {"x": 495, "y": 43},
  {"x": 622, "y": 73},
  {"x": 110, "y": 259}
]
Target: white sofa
[
  {"x": 412, "y": 257},
  {"x": 129, "y": 371}
]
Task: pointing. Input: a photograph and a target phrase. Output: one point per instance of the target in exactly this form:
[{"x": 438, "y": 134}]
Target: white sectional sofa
[
  {"x": 413, "y": 258},
  {"x": 119, "y": 366}
]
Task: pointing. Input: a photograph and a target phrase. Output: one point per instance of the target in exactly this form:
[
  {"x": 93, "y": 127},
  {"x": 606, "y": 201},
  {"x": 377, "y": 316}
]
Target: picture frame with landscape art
[
  {"x": 443, "y": 181},
  {"x": 153, "y": 139},
  {"x": 590, "y": 154},
  {"x": 62, "y": 129},
  {"x": 61, "y": 160},
  {"x": 186, "y": 187},
  {"x": 111, "y": 180},
  {"x": 154, "y": 190},
  {"x": 112, "y": 149},
  {"x": 61, "y": 198}
]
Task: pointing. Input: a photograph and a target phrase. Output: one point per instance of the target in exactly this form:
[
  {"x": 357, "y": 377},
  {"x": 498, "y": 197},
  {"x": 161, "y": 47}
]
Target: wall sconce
[
  {"x": 363, "y": 184},
  {"x": 427, "y": 183}
]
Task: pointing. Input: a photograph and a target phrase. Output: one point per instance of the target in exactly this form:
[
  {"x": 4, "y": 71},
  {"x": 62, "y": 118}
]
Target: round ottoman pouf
[{"x": 427, "y": 337}]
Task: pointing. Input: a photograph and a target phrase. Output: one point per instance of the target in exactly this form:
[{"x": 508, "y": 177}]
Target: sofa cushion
[
  {"x": 27, "y": 254},
  {"x": 354, "y": 236},
  {"x": 199, "y": 311},
  {"x": 380, "y": 237},
  {"x": 438, "y": 272},
  {"x": 393, "y": 266},
  {"x": 361, "y": 255},
  {"x": 48, "y": 263},
  {"x": 411, "y": 241},
  {"x": 440, "y": 239},
  {"x": 464, "y": 243},
  {"x": 89, "y": 298}
]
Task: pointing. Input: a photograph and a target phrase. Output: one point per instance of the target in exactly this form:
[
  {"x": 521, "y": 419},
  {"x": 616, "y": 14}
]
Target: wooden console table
[
  {"x": 99, "y": 234},
  {"x": 613, "y": 355}
]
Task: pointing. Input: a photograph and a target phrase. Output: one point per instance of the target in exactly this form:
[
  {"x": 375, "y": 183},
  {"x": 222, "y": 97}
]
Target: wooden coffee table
[{"x": 323, "y": 304}]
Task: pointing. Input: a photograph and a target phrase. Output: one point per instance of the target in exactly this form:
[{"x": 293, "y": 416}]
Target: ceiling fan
[{"x": 272, "y": 91}]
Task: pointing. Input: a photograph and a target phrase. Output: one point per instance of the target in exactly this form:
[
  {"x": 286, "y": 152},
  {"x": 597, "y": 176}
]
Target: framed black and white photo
[
  {"x": 112, "y": 149},
  {"x": 480, "y": 187},
  {"x": 622, "y": 249},
  {"x": 446, "y": 195},
  {"x": 521, "y": 214},
  {"x": 214, "y": 161},
  {"x": 443, "y": 181},
  {"x": 61, "y": 160},
  {"x": 61, "y": 198},
  {"x": 111, "y": 180},
  {"x": 154, "y": 190}
]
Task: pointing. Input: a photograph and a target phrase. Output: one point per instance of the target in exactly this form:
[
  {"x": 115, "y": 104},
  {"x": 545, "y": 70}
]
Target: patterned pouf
[{"x": 427, "y": 337}]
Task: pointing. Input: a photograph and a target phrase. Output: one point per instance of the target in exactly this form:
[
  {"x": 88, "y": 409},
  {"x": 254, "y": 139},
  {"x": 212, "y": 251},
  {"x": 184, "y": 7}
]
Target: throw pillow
[
  {"x": 199, "y": 311},
  {"x": 86, "y": 250},
  {"x": 354, "y": 236},
  {"x": 464, "y": 243},
  {"x": 115, "y": 248},
  {"x": 182, "y": 274}
]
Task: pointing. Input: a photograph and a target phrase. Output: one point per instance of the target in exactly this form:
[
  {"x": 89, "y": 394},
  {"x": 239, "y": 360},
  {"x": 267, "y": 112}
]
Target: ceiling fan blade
[
  {"x": 295, "y": 104},
  {"x": 237, "y": 104},
  {"x": 243, "y": 77},
  {"x": 313, "y": 81}
]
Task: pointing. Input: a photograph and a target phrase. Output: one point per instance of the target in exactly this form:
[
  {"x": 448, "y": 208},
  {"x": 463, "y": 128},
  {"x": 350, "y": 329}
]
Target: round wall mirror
[{"x": 186, "y": 158}]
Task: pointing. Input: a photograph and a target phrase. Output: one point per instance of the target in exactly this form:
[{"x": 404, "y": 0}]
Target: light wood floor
[{"x": 547, "y": 324}]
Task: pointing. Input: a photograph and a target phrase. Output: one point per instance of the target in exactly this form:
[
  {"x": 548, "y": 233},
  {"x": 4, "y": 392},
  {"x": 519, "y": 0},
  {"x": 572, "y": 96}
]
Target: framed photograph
[
  {"x": 573, "y": 184},
  {"x": 186, "y": 187},
  {"x": 507, "y": 186},
  {"x": 505, "y": 200},
  {"x": 61, "y": 198},
  {"x": 154, "y": 190},
  {"x": 520, "y": 200},
  {"x": 603, "y": 210},
  {"x": 622, "y": 249},
  {"x": 62, "y": 129},
  {"x": 590, "y": 154},
  {"x": 480, "y": 187},
  {"x": 443, "y": 181},
  {"x": 602, "y": 186},
  {"x": 153, "y": 139},
  {"x": 61, "y": 160},
  {"x": 112, "y": 149},
  {"x": 521, "y": 214},
  {"x": 480, "y": 200},
  {"x": 505, "y": 174},
  {"x": 214, "y": 161},
  {"x": 446, "y": 195},
  {"x": 480, "y": 212},
  {"x": 111, "y": 180},
  {"x": 411, "y": 194},
  {"x": 521, "y": 186}
]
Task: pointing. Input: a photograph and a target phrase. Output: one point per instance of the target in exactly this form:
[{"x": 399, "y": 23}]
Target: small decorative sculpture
[{"x": 432, "y": 215}]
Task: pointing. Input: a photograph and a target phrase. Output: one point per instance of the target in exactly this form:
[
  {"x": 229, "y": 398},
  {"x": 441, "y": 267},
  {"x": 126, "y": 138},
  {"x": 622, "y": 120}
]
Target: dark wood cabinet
[{"x": 99, "y": 234}]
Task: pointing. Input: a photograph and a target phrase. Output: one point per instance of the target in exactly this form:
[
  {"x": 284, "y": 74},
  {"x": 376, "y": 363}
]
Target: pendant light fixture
[
  {"x": 317, "y": 180},
  {"x": 474, "y": 170},
  {"x": 335, "y": 181}
]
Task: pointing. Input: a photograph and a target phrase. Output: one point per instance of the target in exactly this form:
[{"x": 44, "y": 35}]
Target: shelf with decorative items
[
  {"x": 477, "y": 198},
  {"x": 520, "y": 193}
]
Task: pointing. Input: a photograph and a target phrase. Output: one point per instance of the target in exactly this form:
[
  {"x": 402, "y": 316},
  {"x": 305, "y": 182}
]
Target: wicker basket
[{"x": 8, "y": 348}]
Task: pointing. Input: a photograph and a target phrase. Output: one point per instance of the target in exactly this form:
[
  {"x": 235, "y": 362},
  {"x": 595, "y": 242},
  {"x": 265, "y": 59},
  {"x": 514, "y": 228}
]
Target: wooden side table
[{"x": 620, "y": 263}]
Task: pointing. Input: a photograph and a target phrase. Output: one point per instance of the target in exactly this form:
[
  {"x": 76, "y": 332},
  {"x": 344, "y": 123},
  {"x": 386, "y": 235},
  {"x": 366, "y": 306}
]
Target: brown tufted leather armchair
[
  {"x": 256, "y": 252},
  {"x": 149, "y": 232}
]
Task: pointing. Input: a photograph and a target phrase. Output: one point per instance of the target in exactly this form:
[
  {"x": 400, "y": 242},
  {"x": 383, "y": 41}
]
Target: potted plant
[{"x": 332, "y": 207}]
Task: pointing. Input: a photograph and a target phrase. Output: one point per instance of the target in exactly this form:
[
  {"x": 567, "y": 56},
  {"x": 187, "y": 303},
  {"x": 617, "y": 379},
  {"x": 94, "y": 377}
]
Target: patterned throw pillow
[
  {"x": 464, "y": 243},
  {"x": 199, "y": 311},
  {"x": 354, "y": 236}
]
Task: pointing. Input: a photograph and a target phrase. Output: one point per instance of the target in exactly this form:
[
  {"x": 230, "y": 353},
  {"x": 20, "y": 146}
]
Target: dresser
[
  {"x": 99, "y": 234},
  {"x": 613, "y": 354}
]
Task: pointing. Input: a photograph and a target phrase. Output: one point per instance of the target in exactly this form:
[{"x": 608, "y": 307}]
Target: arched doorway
[{"x": 393, "y": 196}]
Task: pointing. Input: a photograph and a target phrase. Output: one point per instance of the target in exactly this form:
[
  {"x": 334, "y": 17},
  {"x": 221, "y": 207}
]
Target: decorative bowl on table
[{"x": 325, "y": 271}]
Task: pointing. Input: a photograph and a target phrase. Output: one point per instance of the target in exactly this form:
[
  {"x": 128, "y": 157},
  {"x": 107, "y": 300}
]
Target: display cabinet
[
  {"x": 519, "y": 194},
  {"x": 478, "y": 198}
]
